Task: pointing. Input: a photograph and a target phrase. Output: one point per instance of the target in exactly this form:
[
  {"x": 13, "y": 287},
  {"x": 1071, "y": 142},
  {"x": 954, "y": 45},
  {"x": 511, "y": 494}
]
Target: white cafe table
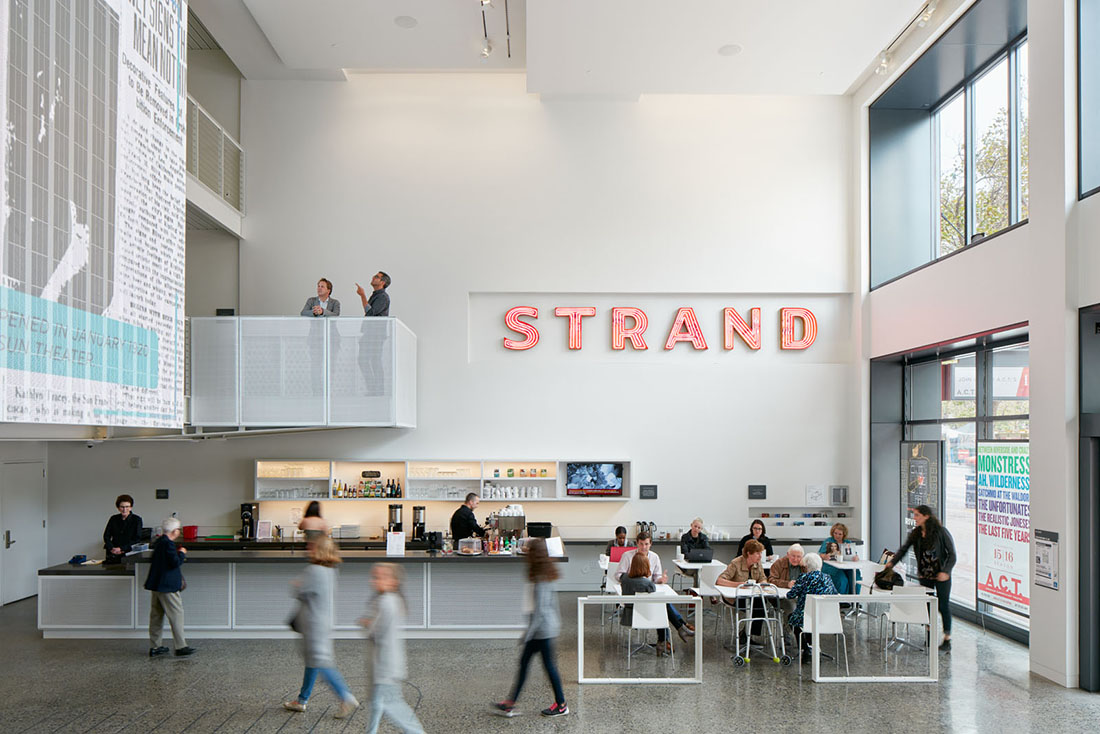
[{"x": 851, "y": 568}]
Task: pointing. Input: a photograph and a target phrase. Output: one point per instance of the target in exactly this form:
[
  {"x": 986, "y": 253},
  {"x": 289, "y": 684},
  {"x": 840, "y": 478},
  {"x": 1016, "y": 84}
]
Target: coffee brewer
[
  {"x": 250, "y": 515},
  {"x": 394, "y": 525},
  {"x": 418, "y": 522}
]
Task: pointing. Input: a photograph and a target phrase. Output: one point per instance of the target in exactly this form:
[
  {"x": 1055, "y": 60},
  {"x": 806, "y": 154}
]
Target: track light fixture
[
  {"x": 926, "y": 14},
  {"x": 486, "y": 49},
  {"x": 883, "y": 64},
  {"x": 486, "y": 3}
]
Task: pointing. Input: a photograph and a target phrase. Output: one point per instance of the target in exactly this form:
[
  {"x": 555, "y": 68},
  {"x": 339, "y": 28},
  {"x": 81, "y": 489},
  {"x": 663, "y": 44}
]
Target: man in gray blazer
[{"x": 322, "y": 304}]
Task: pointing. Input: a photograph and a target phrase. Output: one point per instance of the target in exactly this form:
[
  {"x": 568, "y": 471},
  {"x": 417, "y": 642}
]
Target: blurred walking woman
[
  {"x": 935, "y": 551},
  {"x": 313, "y": 589},
  {"x": 544, "y": 626}
]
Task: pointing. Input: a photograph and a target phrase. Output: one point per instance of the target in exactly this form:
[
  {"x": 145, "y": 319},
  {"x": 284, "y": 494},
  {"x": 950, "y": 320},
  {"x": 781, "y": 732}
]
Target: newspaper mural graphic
[{"x": 93, "y": 226}]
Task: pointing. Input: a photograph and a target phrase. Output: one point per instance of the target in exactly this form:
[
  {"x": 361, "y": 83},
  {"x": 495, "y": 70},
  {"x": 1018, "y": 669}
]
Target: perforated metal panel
[
  {"x": 205, "y": 600},
  {"x": 406, "y": 376},
  {"x": 353, "y": 591},
  {"x": 75, "y": 601},
  {"x": 361, "y": 375},
  {"x": 262, "y": 594},
  {"x": 478, "y": 595},
  {"x": 214, "y": 372},
  {"x": 282, "y": 371}
]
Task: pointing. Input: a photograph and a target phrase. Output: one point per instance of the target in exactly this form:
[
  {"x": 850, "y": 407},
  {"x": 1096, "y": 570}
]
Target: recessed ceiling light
[
  {"x": 405, "y": 21},
  {"x": 730, "y": 50}
]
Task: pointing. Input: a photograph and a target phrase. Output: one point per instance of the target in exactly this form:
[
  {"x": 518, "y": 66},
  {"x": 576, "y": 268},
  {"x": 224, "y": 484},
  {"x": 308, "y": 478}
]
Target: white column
[{"x": 1052, "y": 286}]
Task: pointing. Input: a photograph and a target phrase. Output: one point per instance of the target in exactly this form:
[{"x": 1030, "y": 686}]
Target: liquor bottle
[
  {"x": 398, "y": 495},
  {"x": 334, "y": 488}
]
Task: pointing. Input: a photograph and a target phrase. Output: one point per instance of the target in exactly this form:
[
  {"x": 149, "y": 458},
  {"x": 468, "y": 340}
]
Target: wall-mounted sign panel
[{"x": 1004, "y": 523}]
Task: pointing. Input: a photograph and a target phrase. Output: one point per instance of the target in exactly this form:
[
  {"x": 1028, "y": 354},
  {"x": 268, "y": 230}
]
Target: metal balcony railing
[{"x": 214, "y": 157}]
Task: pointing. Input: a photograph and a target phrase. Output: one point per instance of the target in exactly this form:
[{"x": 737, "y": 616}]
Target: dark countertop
[
  {"x": 278, "y": 556},
  {"x": 66, "y": 569},
  {"x": 670, "y": 541},
  {"x": 205, "y": 544}
]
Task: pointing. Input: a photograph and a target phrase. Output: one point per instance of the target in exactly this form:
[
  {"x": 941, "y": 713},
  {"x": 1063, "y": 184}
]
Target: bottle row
[{"x": 367, "y": 489}]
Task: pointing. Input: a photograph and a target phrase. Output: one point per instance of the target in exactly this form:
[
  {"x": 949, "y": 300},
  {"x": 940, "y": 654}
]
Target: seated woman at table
[
  {"x": 838, "y": 534},
  {"x": 618, "y": 542},
  {"x": 741, "y": 569},
  {"x": 694, "y": 538},
  {"x": 643, "y": 543},
  {"x": 637, "y": 581},
  {"x": 812, "y": 581},
  {"x": 757, "y": 532}
]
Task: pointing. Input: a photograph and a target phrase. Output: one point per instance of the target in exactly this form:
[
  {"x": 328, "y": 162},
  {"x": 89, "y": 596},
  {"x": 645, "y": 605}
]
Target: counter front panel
[{"x": 206, "y": 599}]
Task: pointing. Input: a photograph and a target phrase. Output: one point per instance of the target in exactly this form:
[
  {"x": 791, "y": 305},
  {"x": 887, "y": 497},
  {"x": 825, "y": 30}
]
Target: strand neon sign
[{"x": 797, "y": 328}]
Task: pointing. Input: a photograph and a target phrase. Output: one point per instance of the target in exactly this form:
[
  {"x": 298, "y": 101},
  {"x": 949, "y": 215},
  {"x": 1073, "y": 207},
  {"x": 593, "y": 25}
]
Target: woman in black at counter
[
  {"x": 757, "y": 532},
  {"x": 123, "y": 530}
]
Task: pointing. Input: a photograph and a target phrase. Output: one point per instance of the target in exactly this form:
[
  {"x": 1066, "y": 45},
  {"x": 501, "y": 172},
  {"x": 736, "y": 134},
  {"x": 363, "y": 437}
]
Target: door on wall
[{"x": 23, "y": 528}]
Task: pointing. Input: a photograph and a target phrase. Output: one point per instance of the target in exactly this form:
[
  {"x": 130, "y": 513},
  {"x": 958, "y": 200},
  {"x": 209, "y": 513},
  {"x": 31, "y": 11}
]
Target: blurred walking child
[{"x": 388, "y": 663}]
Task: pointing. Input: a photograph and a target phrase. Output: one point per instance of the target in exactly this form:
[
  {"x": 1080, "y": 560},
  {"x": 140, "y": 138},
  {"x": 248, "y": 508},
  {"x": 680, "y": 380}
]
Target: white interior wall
[
  {"x": 1028, "y": 275},
  {"x": 460, "y": 184},
  {"x": 212, "y": 277}
]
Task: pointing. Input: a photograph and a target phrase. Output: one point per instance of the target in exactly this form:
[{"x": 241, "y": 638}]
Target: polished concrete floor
[{"x": 237, "y": 685}]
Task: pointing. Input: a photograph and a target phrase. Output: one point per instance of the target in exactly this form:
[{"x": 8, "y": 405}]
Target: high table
[{"x": 246, "y": 594}]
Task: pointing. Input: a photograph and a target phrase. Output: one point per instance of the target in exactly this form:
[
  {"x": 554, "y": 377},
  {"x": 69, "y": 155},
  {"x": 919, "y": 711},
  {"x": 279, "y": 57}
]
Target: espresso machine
[
  {"x": 250, "y": 515},
  {"x": 419, "y": 512},
  {"x": 394, "y": 525}
]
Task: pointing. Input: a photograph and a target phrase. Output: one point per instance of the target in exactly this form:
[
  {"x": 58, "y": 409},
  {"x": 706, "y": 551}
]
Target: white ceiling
[
  {"x": 571, "y": 47},
  {"x": 362, "y": 34}
]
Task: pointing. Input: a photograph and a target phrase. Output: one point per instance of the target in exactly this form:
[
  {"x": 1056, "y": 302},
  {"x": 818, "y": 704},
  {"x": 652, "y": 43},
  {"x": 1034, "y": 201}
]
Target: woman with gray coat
[
  {"x": 313, "y": 589},
  {"x": 544, "y": 626}
]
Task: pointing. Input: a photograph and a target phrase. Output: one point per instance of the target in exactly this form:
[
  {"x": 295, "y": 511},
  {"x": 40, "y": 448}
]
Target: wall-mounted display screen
[
  {"x": 590, "y": 479},
  {"x": 93, "y": 183}
]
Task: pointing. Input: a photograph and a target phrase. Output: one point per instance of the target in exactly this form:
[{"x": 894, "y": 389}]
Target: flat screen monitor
[{"x": 591, "y": 479}]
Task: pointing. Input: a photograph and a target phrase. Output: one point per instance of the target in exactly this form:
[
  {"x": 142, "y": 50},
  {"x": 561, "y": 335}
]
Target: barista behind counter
[{"x": 463, "y": 522}]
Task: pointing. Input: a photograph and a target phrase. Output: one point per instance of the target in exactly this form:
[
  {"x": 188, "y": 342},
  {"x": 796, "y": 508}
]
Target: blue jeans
[
  {"x": 334, "y": 679},
  {"x": 546, "y": 649},
  {"x": 386, "y": 698}
]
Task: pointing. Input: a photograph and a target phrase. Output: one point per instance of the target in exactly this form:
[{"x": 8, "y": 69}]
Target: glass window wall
[{"x": 962, "y": 399}]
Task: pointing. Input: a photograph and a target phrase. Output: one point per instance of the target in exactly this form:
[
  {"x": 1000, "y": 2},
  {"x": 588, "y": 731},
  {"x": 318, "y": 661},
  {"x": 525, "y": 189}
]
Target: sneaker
[
  {"x": 157, "y": 651},
  {"x": 685, "y": 633},
  {"x": 690, "y": 626},
  {"x": 294, "y": 706},
  {"x": 558, "y": 709},
  {"x": 184, "y": 651},
  {"x": 505, "y": 708},
  {"x": 945, "y": 646},
  {"x": 347, "y": 708}
]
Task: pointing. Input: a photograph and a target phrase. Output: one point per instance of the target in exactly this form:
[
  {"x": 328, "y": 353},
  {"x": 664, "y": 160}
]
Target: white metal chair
[
  {"x": 647, "y": 616},
  {"x": 906, "y": 613},
  {"x": 708, "y": 576},
  {"x": 832, "y": 623}
]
